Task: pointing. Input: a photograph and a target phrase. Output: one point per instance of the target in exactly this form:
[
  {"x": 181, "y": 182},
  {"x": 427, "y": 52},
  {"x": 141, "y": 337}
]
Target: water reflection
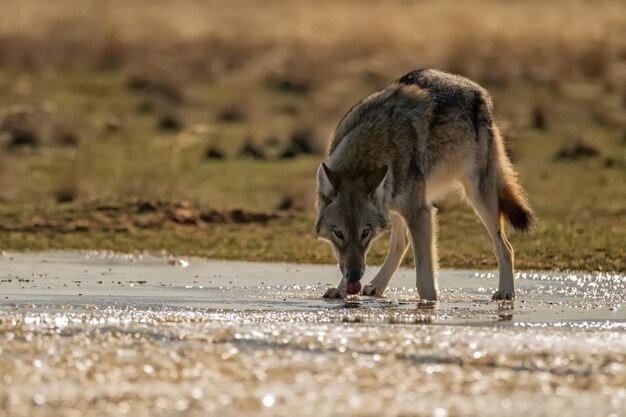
[
  {"x": 506, "y": 310},
  {"x": 240, "y": 348}
]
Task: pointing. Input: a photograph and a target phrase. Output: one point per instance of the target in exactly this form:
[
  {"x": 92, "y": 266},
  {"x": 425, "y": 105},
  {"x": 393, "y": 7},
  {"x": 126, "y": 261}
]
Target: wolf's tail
[{"x": 512, "y": 201}]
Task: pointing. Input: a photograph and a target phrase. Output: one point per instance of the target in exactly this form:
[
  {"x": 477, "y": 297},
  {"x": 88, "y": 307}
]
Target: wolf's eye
[
  {"x": 365, "y": 233},
  {"x": 338, "y": 234}
]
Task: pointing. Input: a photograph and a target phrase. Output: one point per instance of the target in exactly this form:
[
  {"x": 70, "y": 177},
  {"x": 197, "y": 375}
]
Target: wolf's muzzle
[{"x": 354, "y": 274}]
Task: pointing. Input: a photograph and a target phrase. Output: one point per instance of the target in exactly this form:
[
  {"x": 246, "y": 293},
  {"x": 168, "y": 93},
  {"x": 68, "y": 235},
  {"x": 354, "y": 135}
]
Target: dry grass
[
  {"x": 493, "y": 41},
  {"x": 320, "y": 56},
  {"x": 155, "y": 100}
]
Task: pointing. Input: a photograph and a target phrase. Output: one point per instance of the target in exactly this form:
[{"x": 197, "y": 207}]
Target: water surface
[{"x": 92, "y": 334}]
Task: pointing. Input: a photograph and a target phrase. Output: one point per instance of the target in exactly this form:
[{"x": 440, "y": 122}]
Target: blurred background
[{"x": 197, "y": 126}]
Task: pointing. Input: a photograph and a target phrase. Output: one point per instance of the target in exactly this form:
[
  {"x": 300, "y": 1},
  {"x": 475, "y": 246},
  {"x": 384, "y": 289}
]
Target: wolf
[{"x": 393, "y": 155}]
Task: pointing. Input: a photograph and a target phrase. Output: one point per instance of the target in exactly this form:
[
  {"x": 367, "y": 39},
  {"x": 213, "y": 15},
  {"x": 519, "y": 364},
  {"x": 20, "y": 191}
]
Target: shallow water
[{"x": 99, "y": 334}]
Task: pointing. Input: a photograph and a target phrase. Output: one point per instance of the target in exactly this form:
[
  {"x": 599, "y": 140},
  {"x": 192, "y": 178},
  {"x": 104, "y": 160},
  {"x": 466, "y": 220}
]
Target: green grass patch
[{"x": 580, "y": 204}]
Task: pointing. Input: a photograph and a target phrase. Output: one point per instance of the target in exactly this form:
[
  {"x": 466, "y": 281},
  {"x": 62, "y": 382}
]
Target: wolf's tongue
[{"x": 353, "y": 287}]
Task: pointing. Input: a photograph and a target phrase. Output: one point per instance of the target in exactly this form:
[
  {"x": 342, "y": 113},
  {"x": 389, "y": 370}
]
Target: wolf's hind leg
[
  {"x": 485, "y": 201},
  {"x": 398, "y": 245}
]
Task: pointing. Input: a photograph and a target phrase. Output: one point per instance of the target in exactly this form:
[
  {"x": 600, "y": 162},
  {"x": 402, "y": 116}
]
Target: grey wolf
[{"x": 395, "y": 153}]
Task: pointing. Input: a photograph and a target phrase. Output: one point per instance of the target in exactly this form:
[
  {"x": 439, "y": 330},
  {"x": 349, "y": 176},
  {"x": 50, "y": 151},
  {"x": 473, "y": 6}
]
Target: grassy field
[{"x": 206, "y": 106}]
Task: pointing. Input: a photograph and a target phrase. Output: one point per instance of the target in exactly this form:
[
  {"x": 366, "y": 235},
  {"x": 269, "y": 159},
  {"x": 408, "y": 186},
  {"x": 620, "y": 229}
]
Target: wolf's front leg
[
  {"x": 398, "y": 245},
  {"x": 421, "y": 229},
  {"x": 337, "y": 292}
]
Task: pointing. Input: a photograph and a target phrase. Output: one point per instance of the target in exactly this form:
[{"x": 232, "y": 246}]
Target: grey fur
[{"x": 430, "y": 132}]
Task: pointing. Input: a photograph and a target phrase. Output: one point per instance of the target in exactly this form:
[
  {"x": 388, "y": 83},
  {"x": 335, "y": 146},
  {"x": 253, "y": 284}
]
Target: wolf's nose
[{"x": 354, "y": 274}]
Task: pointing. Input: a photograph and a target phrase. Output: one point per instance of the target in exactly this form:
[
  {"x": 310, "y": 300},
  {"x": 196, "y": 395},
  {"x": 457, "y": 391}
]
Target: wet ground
[{"x": 97, "y": 334}]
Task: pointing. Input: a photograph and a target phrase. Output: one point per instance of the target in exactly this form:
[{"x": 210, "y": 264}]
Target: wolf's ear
[
  {"x": 327, "y": 181},
  {"x": 375, "y": 182}
]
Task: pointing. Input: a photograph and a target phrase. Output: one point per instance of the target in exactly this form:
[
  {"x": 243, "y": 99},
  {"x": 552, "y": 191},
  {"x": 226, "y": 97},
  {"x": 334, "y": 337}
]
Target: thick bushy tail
[
  {"x": 514, "y": 207},
  {"x": 512, "y": 201}
]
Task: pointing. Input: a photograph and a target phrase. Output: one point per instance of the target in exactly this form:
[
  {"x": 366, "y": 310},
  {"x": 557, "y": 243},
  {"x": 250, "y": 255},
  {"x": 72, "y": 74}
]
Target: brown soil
[{"x": 138, "y": 214}]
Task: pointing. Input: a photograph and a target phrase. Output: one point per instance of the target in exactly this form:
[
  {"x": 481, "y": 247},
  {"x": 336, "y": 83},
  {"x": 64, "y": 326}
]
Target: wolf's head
[{"x": 351, "y": 214}]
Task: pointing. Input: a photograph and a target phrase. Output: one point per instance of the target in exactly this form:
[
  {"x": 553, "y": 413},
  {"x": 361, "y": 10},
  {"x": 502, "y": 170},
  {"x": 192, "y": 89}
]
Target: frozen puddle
[{"x": 97, "y": 334}]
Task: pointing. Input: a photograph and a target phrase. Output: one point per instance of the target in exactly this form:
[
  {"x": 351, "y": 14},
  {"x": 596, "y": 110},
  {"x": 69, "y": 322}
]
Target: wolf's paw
[
  {"x": 371, "y": 289},
  {"x": 334, "y": 292},
  {"x": 503, "y": 295}
]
